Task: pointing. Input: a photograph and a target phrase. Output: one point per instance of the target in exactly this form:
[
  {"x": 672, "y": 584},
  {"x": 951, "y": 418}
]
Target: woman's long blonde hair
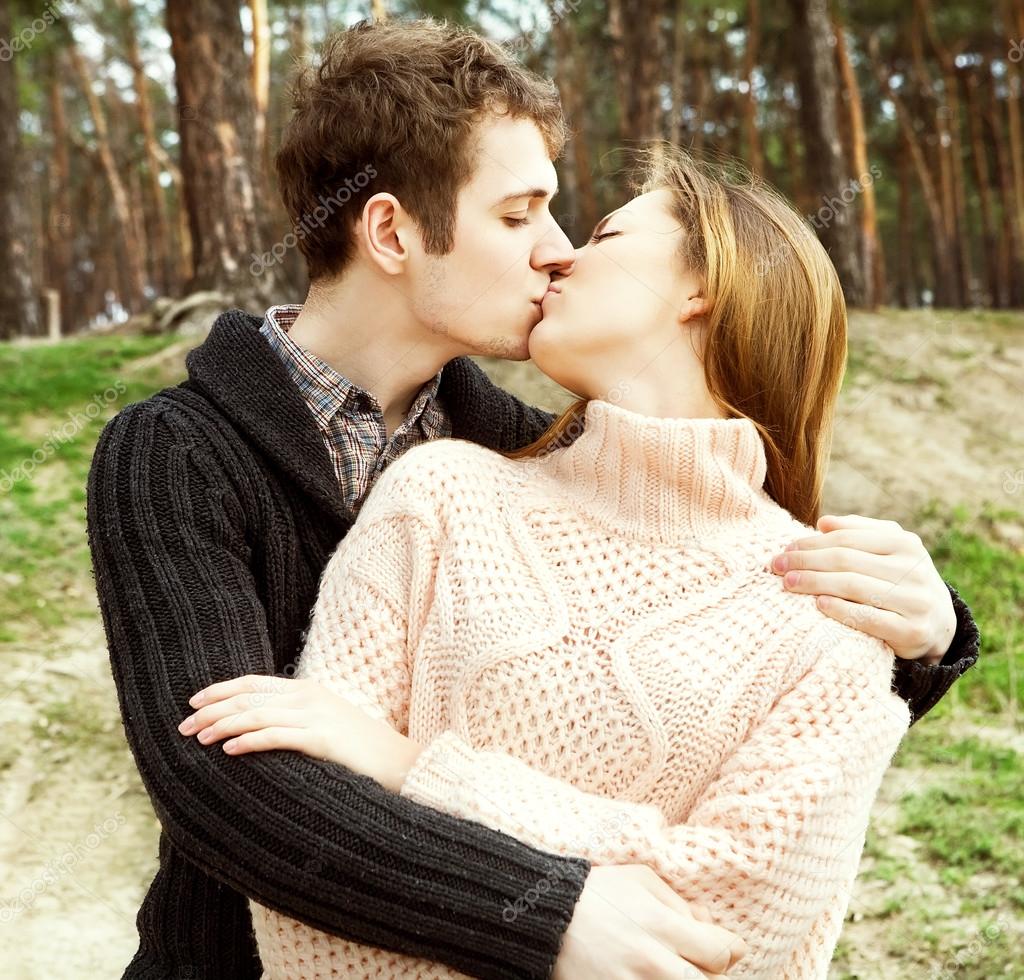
[{"x": 775, "y": 347}]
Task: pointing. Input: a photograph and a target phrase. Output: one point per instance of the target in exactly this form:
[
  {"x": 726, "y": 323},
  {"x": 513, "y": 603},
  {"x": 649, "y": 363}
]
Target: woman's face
[{"x": 621, "y": 313}]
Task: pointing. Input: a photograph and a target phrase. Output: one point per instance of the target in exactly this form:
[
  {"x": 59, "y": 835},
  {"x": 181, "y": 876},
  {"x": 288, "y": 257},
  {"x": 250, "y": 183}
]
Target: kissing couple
[{"x": 425, "y": 682}]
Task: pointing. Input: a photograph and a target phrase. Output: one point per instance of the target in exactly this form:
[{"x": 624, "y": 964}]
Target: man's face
[{"x": 485, "y": 294}]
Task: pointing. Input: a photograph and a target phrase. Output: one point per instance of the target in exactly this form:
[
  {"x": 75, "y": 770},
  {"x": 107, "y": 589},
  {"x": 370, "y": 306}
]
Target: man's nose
[{"x": 554, "y": 253}]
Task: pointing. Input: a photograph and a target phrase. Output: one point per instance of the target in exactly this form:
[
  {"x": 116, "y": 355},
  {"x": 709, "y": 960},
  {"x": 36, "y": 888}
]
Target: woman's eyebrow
[{"x": 599, "y": 227}]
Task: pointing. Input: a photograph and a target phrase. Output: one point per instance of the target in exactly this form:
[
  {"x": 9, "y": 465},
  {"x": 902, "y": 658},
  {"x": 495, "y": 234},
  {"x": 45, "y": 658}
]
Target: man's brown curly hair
[{"x": 392, "y": 107}]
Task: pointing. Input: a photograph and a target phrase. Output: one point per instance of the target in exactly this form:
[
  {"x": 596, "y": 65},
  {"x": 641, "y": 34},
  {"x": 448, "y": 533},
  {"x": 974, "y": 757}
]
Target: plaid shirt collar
[{"x": 328, "y": 392}]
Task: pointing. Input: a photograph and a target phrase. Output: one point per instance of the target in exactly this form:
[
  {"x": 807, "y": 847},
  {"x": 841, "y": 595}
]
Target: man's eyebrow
[{"x": 533, "y": 192}]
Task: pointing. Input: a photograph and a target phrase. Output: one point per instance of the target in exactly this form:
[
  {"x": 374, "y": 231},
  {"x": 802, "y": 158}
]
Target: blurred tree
[
  {"x": 162, "y": 268},
  {"x": 872, "y": 260},
  {"x": 221, "y": 167},
  {"x": 115, "y": 176},
  {"x": 133, "y": 284},
  {"x": 825, "y": 166},
  {"x": 59, "y": 218},
  {"x": 19, "y": 298},
  {"x": 752, "y": 139}
]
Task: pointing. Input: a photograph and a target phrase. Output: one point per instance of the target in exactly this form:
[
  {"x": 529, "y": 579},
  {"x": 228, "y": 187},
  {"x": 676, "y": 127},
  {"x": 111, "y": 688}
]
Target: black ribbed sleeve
[{"x": 922, "y": 686}]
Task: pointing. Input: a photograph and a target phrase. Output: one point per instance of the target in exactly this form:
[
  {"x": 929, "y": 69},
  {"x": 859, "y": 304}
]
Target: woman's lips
[{"x": 552, "y": 291}]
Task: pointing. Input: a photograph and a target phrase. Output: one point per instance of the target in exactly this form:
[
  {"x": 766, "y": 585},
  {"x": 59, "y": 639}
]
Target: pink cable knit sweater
[{"x": 598, "y": 660}]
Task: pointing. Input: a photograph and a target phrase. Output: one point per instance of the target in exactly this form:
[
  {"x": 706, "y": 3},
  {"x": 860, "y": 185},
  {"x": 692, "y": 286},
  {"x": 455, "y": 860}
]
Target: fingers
[
  {"x": 700, "y": 912},
  {"x": 665, "y": 965},
  {"x": 707, "y": 946},
  {"x": 831, "y": 521},
  {"x": 878, "y": 541},
  {"x": 704, "y": 944},
  {"x": 240, "y": 685},
  {"x": 250, "y": 721},
  {"x": 668, "y": 895},
  {"x": 295, "y": 739},
  {"x": 852, "y": 586},
  {"x": 211, "y": 713},
  {"x": 888, "y": 626},
  {"x": 838, "y": 560}
]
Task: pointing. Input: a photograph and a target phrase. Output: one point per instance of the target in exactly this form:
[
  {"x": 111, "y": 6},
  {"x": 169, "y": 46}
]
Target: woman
[{"x": 582, "y": 644}]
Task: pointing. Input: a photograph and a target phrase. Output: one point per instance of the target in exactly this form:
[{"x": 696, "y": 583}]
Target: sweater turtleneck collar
[{"x": 666, "y": 480}]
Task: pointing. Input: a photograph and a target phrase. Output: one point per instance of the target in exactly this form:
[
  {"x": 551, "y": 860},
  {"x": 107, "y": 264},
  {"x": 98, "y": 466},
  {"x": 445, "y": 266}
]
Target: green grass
[
  {"x": 966, "y": 811},
  {"x": 54, "y": 401},
  {"x": 56, "y": 377},
  {"x": 990, "y": 577},
  {"x": 973, "y": 820}
]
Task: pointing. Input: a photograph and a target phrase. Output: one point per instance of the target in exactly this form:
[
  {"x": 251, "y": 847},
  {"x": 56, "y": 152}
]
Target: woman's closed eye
[
  {"x": 513, "y": 222},
  {"x": 594, "y": 239}
]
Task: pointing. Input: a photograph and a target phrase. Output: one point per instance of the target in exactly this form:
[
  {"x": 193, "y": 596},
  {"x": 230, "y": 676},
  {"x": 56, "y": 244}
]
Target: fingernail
[
  {"x": 792, "y": 578},
  {"x": 780, "y": 563},
  {"x": 196, "y": 699},
  {"x": 186, "y": 727}
]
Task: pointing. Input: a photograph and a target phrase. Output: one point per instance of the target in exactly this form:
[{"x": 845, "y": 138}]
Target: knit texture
[
  {"x": 598, "y": 660},
  {"x": 212, "y": 511}
]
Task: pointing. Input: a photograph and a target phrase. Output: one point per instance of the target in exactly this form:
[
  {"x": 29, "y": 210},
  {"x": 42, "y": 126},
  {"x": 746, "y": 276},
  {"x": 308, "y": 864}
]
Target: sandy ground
[{"x": 933, "y": 412}]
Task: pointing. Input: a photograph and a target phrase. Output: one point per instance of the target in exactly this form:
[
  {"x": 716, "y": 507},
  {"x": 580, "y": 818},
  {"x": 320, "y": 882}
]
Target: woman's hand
[
  {"x": 878, "y": 578},
  {"x": 258, "y": 713}
]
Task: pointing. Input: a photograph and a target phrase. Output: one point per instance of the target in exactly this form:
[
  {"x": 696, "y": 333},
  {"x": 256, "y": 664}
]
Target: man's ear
[{"x": 385, "y": 227}]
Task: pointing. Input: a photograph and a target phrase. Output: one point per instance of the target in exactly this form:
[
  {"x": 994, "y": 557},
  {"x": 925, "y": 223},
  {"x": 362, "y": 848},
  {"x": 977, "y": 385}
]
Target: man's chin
[
  {"x": 506, "y": 348},
  {"x": 522, "y": 352}
]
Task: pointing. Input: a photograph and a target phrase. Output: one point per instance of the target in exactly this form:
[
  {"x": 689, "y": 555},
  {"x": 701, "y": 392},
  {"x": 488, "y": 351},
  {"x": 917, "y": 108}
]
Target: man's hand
[
  {"x": 629, "y": 924},
  {"x": 876, "y": 577}
]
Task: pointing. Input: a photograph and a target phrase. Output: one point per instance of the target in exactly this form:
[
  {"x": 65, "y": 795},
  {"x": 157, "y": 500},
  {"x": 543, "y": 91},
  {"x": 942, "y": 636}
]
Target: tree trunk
[
  {"x": 220, "y": 166},
  {"x": 261, "y": 77},
  {"x": 944, "y": 140},
  {"x": 1012, "y": 246},
  {"x": 997, "y": 291},
  {"x": 185, "y": 270},
  {"x": 19, "y": 297},
  {"x": 298, "y": 33},
  {"x": 951, "y": 93},
  {"x": 677, "y": 77},
  {"x": 945, "y": 271},
  {"x": 905, "y": 275},
  {"x": 818, "y": 85},
  {"x": 160, "y": 243},
  {"x": 571, "y": 77},
  {"x": 872, "y": 259},
  {"x": 1016, "y": 154},
  {"x": 752, "y": 139},
  {"x": 701, "y": 88},
  {"x": 134, "y": 287},
  {"x": 637, "y": 53},
  {"x": 60, "y": 229}
]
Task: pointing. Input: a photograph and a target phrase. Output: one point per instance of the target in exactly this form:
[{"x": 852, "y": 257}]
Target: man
[{"x": 214, "y": 506}]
